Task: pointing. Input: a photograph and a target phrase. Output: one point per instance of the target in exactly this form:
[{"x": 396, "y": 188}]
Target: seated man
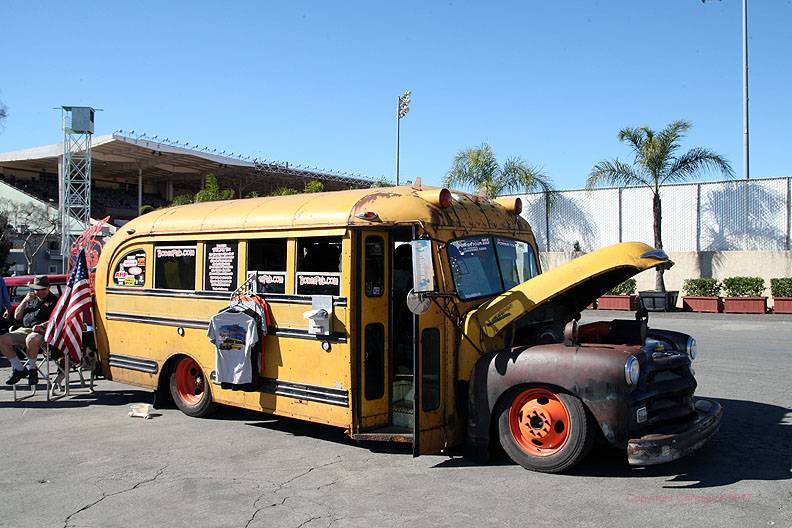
[{"x": 34, "y": 312}]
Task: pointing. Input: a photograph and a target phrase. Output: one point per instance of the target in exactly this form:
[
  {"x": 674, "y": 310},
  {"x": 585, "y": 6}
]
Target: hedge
[
  {"x": 781, "y": 287},
  {"x": 625, "y": 288},
  {"x": 703, "y": 287},
  {"x": 744, "y": 286}
]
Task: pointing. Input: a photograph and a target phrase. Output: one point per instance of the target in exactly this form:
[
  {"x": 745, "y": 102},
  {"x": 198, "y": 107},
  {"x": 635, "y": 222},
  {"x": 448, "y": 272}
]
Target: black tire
[
  {"x": 578, "y": 442},
  {"x": 198, "y": 405}
]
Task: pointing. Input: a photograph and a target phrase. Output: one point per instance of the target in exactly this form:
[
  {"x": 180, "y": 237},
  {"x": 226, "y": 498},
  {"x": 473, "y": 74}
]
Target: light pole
[
  {"x": 402, "y": 107},
  {"x": 745, "y": 86}
]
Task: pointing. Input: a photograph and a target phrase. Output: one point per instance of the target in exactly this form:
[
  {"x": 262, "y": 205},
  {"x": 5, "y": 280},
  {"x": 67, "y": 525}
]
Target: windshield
[{"x": 485, "y": 265}]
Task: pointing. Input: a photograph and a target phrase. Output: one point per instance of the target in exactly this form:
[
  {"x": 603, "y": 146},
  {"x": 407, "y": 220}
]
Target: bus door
[
  {"x": 429, "y": 356},
  {"x": 429, "y": 434},
  {"x": 374, "y": 329}
]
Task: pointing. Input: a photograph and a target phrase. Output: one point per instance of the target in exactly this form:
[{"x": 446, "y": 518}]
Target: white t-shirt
[{"x": 233, "y": 334}]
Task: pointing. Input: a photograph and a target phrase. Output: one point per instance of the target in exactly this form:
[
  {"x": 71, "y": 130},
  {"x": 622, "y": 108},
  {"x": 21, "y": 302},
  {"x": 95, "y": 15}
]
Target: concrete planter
[
  {"x": 616, "y": 302},
  {"x": 750, "y": 305},
  {"x": 782, "y": 305},
  {"x": 702, "y": 304}
]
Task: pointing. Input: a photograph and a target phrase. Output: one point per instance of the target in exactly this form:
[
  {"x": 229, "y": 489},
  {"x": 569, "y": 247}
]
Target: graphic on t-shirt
[{"x": 232, "y": 337}]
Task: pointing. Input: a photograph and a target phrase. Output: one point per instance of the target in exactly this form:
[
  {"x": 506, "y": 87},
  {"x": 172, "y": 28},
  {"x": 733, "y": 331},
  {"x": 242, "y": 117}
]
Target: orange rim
[
  {"x": 189, "y": 381},
  {"x": 539, "y": 422}
]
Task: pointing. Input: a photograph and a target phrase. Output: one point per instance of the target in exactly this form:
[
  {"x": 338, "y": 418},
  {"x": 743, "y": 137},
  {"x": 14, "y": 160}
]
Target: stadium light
[{"x": 402, "y": 109}]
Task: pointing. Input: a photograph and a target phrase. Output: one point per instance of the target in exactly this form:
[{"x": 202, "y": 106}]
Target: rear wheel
[
  {"x": 543, "y": 430},
  {"x": 189, "y": 388}
]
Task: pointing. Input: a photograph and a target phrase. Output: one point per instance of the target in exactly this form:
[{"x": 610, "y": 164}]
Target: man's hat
[{"x": 41, "y": 282}]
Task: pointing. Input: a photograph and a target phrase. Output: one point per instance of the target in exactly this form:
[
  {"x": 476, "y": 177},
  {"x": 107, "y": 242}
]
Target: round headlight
[
  {"x": 692, "y": 348},
  {"x": 632, "y": 370}
]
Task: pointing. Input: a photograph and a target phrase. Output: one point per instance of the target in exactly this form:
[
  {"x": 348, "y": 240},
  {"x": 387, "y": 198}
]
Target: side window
[
  {"x": 267, "y": 260},
  {"x": 131, "y": 269},
  {"x": 430, "y": 369},
  {"x": 375, "y": 266},
  {"x": 374, "y": 341},
  {"x": 220, "y": 265},
  {"x": 174, "y": 267},
  {"x": 319, "y": 266}
]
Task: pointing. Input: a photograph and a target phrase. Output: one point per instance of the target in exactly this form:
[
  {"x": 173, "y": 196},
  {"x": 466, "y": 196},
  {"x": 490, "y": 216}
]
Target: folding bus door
[{"x": 374, "y": 329}]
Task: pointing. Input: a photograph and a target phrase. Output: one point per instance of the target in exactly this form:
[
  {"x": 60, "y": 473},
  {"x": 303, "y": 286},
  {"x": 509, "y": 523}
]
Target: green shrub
[
  {"x": 703, "y": 287},
  {"x": 183, "y": 199},
  {"x": 744, "y": 286},
  {"x": 625, "y": 288},
  {"x": 781, "y": 287},
  {"x": 284, "y": 191},
  {"x": 146, "y": 209},
  {"x": 314, "y": 186}
]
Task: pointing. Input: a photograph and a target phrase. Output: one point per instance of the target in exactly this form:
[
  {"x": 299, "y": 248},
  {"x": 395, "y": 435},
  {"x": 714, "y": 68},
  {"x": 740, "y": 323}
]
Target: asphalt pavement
[{"x": 82, "y": 462}]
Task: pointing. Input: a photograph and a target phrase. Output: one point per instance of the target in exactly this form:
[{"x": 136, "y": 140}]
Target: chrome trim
[
  {"x": 204, "y": 294},
  {"x": 148, "y": 366},
  {"x": 164, "y": 321},
  {"x": 304, "y": 391},
  {"x": 296, "y": 333}
]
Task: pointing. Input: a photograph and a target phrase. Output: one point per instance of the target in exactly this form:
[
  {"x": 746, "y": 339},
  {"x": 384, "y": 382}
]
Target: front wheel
[
  {"x": 543, "y": 430},
  {"x": 189, "y": 388}
]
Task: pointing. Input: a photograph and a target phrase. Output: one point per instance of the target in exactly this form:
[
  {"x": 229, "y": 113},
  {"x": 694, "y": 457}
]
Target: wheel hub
[{"x": 539, "y": 421}]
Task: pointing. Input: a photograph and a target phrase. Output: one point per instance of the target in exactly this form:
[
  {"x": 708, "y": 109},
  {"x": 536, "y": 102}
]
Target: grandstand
[{"x": 131, "y": 170}]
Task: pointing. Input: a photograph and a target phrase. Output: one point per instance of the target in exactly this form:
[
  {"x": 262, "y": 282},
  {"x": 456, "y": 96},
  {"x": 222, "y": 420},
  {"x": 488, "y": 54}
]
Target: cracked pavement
[{"x": 81, "y": 462}]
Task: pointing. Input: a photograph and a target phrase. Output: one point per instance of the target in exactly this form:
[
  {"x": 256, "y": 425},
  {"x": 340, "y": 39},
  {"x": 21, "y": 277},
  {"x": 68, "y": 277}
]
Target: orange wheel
[
  {"x": 189, "y": 388},
  {"x": 539, "y": 422},
  {"x": 542, "y": 429},
  {"x": 189, "y": 381}
]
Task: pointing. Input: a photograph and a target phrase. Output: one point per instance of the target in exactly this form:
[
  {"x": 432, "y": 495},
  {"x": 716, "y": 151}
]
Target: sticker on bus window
[
  {"x": 131, "y": 270},
  {"x": 220, "y": 266},
  {"x": 269, "y": 282},
  {"x": 319, "y": 284}
]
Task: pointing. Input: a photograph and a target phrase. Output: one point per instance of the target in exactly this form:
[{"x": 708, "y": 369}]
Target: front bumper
[{"x": 677, "y": 441}]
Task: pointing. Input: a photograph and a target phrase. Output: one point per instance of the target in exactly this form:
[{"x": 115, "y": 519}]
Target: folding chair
[{"x": 43, "y": 366}]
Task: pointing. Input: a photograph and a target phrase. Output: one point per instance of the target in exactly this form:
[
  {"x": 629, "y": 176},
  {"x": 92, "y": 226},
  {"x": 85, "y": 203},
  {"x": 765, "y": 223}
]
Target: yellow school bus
[{"x": 440, "y": 330}]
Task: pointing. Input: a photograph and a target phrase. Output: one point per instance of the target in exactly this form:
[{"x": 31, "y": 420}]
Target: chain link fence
[{"x": 735, "y": 215}]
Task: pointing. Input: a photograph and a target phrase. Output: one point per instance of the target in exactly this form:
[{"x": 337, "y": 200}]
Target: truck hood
[{"x": 574, "y": 285}]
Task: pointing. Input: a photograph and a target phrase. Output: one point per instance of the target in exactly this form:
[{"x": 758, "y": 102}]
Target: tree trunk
[{"x": 658, "y": 237}]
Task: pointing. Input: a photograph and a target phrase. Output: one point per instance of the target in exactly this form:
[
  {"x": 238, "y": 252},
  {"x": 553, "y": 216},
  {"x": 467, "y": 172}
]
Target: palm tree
[
  {"x": 478, "y": 168},
  {"x": 657, "y": 161}
]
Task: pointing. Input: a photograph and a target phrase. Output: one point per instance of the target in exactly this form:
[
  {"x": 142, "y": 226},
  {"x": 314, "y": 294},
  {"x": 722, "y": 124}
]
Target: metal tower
[{"x": 75, "y": 181}]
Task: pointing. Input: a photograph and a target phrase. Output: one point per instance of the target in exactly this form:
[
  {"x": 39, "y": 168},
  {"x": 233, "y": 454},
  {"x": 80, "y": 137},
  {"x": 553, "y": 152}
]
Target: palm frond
[
  {"x": 614, "y": 172},
  {"x": 697, "y": 160},
  {"x": 473, "y": 168},
  {"x": 518, "y": 175},
  {"x": 633, "y": 137}
]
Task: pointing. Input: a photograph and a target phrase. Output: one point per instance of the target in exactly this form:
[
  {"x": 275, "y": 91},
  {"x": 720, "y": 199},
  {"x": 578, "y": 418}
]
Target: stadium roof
[{"x": 121, "y": 154}]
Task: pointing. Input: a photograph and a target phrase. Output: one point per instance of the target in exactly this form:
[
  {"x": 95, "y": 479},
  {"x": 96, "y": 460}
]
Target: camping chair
[{"x": 43, "y": 365}]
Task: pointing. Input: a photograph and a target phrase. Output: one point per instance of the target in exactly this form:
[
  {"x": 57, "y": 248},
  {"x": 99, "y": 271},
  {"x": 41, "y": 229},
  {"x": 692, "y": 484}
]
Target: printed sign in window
[
  {"x": 131, "y": 270},
  {"x": 269, "y": 281},
  {"x": 220, "y": 266},
  {"x": 319, "y": 284}
]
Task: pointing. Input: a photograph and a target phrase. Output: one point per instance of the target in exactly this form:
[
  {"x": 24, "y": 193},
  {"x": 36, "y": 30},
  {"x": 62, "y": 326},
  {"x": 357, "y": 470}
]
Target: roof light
[
  {"x": 438, "y": 197},
  {"x": 511, "y": 204},
  {"x": 371, "y": 216}
]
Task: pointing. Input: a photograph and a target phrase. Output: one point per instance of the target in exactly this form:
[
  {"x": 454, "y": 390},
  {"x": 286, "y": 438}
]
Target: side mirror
[
  {"x": 418, "y": 303},
  {"x": 423, "y": 266}
]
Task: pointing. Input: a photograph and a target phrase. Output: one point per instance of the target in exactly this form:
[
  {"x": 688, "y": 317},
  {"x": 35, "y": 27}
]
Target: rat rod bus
[{"x": 440, "y": 329}]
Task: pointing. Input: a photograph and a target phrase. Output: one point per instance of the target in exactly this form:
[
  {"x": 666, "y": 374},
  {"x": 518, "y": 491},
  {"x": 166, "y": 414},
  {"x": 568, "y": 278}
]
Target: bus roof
[{"x": 392, "y": 205}]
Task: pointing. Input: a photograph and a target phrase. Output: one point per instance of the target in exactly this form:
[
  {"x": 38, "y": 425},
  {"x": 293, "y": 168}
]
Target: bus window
[
  {"x": 430, "y": 369},
  {"x": 375, "y": 266},
  {"x": 319, "y": 266},
  {"x": 267, "y": 260},
  {"x": 174, "y": 267},
  {"x": 375, "y": 361},
  {"x": 131, "y": 269}
]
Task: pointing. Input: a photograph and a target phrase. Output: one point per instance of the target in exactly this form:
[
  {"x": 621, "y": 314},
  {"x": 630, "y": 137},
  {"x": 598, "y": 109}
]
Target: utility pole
[{"x": 402, "y": 108}]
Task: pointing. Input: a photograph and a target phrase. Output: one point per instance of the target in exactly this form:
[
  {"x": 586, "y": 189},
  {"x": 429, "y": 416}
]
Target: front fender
[{"x": 593, "y": 373}]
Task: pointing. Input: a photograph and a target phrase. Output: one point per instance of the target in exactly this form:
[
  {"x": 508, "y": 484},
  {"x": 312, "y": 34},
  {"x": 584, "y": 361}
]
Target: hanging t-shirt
[{"x": 234, "y": 334}]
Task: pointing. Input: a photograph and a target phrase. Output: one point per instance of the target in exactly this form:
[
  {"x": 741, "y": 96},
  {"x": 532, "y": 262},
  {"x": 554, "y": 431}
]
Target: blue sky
[{"x": 316, "y": 82}]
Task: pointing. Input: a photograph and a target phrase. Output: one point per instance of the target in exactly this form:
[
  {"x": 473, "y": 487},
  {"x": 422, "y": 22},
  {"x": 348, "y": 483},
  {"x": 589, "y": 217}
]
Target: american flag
[{"x": 64, "y": 329}]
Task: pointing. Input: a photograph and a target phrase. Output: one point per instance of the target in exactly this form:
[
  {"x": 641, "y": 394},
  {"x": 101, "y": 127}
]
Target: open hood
[{"x": 574, "y": 285}]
